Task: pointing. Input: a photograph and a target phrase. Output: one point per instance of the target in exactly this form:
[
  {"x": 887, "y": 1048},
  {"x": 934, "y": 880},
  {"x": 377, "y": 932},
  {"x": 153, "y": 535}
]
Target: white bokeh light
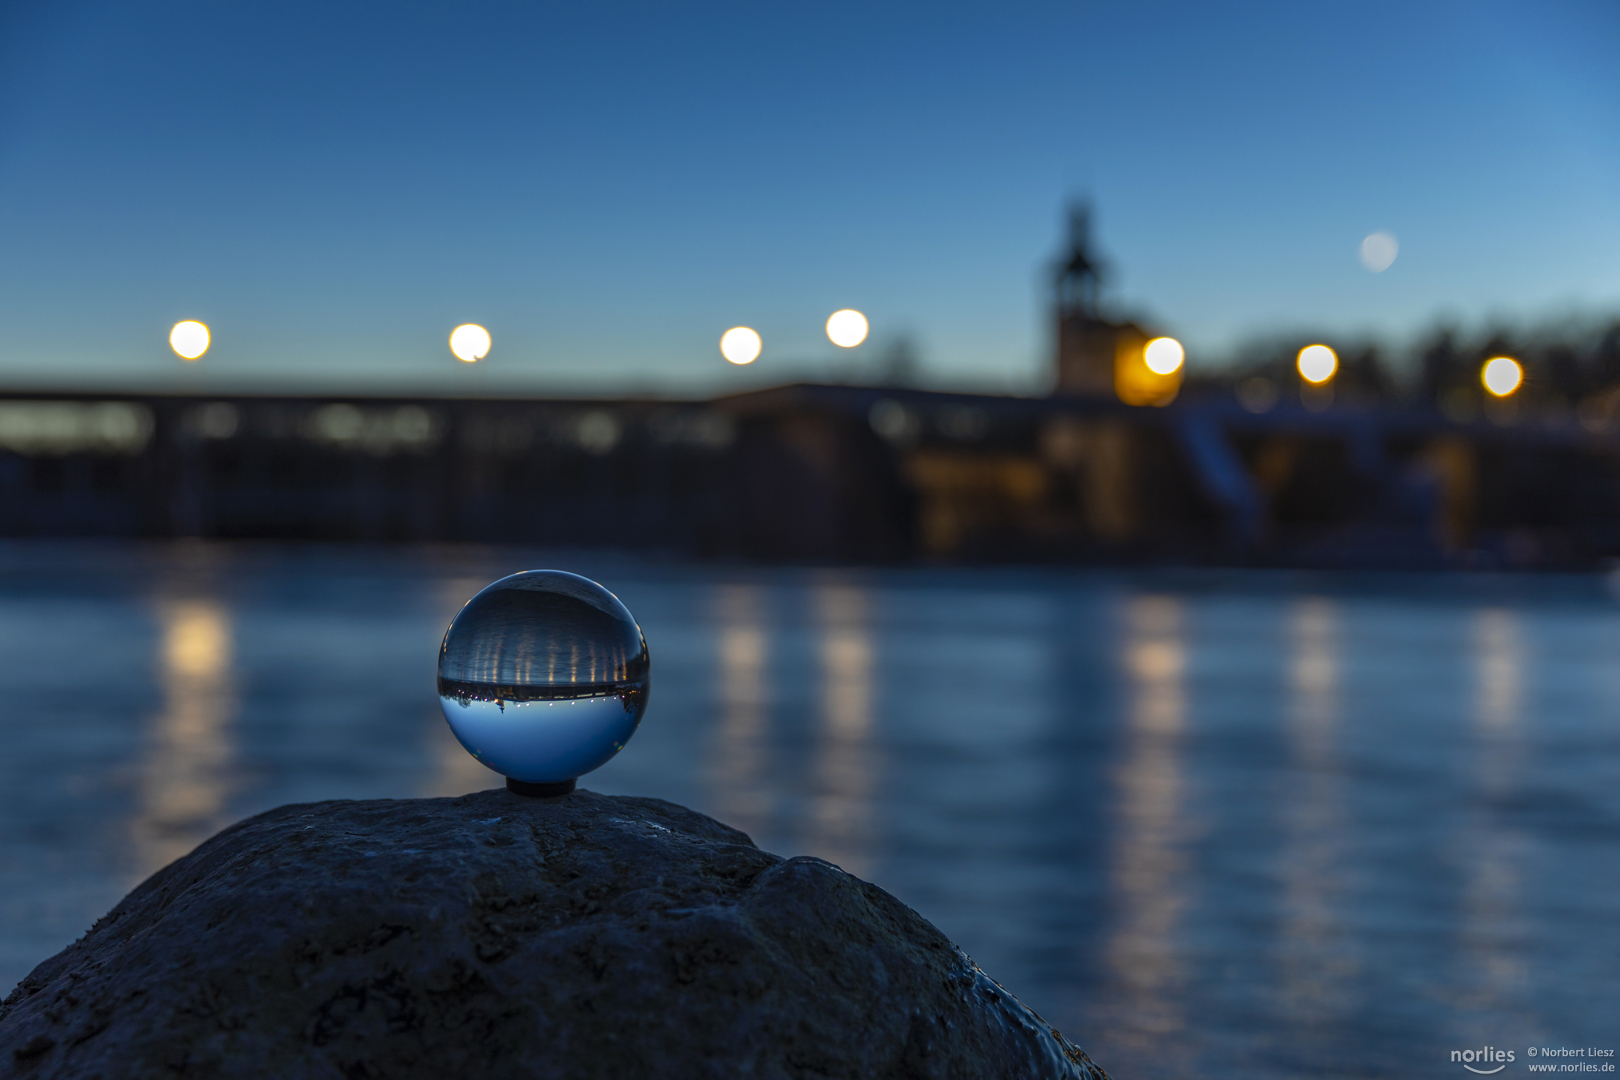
[
  {"x": 1164, "y": 355},
  {"x": 1378, "y": 252},
  {"x": 1501, "y": 375},
  {"x": 740, "y": 345},
  {"x": 847, "y": 328},
  {"x": 1317, "y": 363},
  {"x": 189, "y": 339},
  {"x": 469, "y": 342}
]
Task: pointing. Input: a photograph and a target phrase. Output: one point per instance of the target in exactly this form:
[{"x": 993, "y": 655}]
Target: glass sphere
[{"x": 543, "y": 676}]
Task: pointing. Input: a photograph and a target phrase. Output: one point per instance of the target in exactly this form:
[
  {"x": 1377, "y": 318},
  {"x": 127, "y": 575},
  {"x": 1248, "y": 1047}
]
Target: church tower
[{"x": 1088, "y": 345}]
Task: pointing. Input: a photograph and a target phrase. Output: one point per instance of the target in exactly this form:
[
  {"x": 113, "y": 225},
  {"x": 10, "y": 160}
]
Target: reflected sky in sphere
[{"x": 543, "y": 676}]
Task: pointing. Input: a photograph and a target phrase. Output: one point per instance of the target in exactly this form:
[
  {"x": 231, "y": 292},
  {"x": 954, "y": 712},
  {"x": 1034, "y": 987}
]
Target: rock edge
[{"x": 494, "y": 935}]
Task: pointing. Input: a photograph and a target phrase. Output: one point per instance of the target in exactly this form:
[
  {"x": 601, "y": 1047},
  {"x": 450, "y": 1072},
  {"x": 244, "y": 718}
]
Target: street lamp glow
[
  {"x": 1501, "y": 375},
  {"x": 740, "y": 345},
  {"x": 847, "y": 328},
  {"x": 189, "y": 339},
  {"x": 470, "y": 342},
  {"x": 1317, "y": 363},
  {"x": 1164, "y": 355}
]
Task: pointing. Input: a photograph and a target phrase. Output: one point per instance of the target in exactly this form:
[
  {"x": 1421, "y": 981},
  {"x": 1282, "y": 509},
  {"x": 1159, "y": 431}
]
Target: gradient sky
[{"x": 607, "y": 188}]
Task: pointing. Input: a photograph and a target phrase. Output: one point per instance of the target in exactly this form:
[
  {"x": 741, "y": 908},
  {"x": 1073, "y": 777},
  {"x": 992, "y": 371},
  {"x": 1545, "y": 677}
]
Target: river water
[{"x": 1207, "y": 823}]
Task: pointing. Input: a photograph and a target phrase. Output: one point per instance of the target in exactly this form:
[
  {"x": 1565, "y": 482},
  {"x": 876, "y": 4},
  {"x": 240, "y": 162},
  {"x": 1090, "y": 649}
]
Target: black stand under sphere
[{"x": 539, "y": 791}]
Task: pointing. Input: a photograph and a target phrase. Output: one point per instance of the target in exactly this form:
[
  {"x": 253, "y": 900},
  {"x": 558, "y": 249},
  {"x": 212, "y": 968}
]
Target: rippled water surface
[{"x": 1206, "y": 823}]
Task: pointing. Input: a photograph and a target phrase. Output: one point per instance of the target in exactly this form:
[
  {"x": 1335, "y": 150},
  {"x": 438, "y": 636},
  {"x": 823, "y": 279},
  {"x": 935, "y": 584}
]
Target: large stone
[{"x": 500, "y": 936}]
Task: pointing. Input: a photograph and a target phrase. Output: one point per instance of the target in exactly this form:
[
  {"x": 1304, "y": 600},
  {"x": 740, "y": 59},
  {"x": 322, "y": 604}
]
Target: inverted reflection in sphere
[{"x": 543, "y": 676}]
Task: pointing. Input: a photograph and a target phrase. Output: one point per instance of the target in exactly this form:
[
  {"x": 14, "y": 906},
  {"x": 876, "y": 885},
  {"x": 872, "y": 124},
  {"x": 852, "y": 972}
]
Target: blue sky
[{"x": 608, "y": 188}]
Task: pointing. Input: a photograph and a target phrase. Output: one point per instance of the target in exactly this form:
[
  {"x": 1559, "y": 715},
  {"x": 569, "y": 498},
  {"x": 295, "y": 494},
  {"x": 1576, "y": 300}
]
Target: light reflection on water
[
  {"x": 1148, "y": 869},
  {"x": 1318, "y": 964},
  {"x": 846, "y": 761},
  {"x": 1217, "y": 825},
  {"x": 1494, "y": 851},
  {"x": 738, "y": 786},
  {"x": 186, "y": 765}
]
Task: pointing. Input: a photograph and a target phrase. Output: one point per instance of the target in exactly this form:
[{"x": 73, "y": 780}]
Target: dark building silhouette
[
  {"x": 1087, "y": 343},
  {"x": 818, "y": 473}
]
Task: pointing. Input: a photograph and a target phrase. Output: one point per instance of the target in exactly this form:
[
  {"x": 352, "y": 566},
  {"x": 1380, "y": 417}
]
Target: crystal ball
[{"x": 543, "y": 676}]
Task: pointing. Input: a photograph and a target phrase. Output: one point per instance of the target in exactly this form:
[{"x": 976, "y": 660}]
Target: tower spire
[{"x": 1080, "y": 273}]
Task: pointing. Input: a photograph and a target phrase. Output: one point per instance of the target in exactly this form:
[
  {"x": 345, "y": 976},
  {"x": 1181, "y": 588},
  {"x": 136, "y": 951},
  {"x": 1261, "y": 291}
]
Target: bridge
[{"x": 824, "y": 473}]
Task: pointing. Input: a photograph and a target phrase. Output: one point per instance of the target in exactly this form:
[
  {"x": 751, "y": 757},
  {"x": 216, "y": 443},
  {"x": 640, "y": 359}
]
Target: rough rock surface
[{"x": 500, "y": 936}]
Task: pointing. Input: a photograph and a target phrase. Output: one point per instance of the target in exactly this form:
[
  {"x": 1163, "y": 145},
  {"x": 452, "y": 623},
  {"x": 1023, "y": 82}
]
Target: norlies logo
[{"x": 1486, "y": 1056}]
